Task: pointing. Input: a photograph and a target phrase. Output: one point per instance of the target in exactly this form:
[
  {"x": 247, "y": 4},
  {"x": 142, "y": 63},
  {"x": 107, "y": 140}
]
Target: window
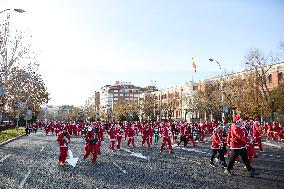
[
  {"x": 121, "y": 95},
  {"x": 115, "y": 91},
  {"x": 195, "y": 88},
  {"x": 270, "y": 78},
  {"x": 115, "y": 94},
  {"x": 115, "y": 99}
]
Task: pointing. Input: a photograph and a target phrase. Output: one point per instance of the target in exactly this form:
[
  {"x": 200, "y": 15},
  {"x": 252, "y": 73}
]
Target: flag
[{"x": 194, "y": 65}]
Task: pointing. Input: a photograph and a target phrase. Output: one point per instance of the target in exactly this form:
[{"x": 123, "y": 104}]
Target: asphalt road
[{"x": 31, "y": 162}]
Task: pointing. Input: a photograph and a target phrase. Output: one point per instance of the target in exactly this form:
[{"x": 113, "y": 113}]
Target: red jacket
[
  {"x": 256, "y": 131},
  {"x": 63, "y": 140},
  {"x": 118, "y": 132},
  {"x": 217, "y": 141},
  {"x": 130, "y": 132},
  {"x": 165, "y": 132},
  {"x": 145, "y": 132},
  {"x": 111, "y": 134},
  {"x": 236, "y": 138}
]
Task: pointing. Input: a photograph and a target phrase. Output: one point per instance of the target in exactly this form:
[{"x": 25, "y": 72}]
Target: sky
[{"x": 84, "y": 45}]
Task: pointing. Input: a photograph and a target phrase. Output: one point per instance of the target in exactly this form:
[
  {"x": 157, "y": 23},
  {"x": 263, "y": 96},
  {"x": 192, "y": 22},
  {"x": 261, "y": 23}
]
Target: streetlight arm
[{"x": 17, "y": 10}]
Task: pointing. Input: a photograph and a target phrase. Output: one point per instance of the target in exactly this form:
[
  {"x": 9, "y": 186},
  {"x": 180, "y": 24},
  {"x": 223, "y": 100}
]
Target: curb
[{"x": 11, "y": 140}]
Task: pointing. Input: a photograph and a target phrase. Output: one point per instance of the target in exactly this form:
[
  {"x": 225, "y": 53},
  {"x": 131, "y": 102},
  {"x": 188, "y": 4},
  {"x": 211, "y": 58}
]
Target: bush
[{"x": 10, "y": 133}]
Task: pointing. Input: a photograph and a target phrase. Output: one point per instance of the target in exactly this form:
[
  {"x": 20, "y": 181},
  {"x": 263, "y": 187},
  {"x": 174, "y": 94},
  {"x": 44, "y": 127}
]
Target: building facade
[
  {"x": 172, "y": 103},
  {"x": 111, "y": 95}
]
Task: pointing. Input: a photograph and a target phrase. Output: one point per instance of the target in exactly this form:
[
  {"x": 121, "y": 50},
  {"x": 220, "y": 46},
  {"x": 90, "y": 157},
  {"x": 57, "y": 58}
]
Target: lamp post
[
  {"x": 221, "y": 84},
  {"x": 5, "y": 70}
]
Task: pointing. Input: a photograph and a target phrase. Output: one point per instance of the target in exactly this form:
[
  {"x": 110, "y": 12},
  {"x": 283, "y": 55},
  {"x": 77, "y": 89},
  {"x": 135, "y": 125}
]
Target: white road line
[
  {"x": 1, "y": 160},
  {"x": 278, "y": 156},
  {"x": 41, "y": 149},
  {"x": 273, "y": 145},
  {"x": 120, "y": 168},
  {"x": 264, "y": 154},
  {"x": 25, "y": 179},
  {"x": 126, "y": 150},
  {"x": 271, "y": 155}
]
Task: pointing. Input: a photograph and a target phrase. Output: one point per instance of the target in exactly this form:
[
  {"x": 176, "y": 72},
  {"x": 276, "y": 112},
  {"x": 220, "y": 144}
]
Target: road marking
[
  {"x": 273, "y": 145},
  {"x": 264, "y": 154},
  {"x": 120, "y": 168},
  {"x": 180, "y": 157},
  {"x": 126, "y": 150},
  {"x": 140, "y": 155},
  {"x": 271, "y": 155},
  {"x": 192, "y": 150},
  {"x": 41, "y": 149},
  {"x": 25, "y": 179},
  {"x": 1, "y": 160},
  {"x": 278, "y": 156}
]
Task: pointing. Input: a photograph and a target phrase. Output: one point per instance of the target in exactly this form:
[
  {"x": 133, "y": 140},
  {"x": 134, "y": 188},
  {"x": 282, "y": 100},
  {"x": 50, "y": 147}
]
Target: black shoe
[
  {"x": 252, "y": 173},
  {"x": 212, "y": 164},
  {"x": 227, "y": 172}
]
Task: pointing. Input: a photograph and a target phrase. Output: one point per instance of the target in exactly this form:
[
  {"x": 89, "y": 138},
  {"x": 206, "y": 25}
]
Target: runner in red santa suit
[
  {"x": 151, "y": 132},
  {"x": 112, "y": 137},
  {"x": 130, "y": 135},
  {"x": 247, "y": 129},
  {"x": 257, "y": 134},
  {"x": 182, "y": 134},
  {"x": 92, "y": 144},
  {"x": 277, "y": 131},
  {"x": 63, "y": 139},
  {"x": 189, "y": 134},
  {"x": 166, "y": 134},
  {"x": 201, "y": 132},
  {"x": 237, "y": 143},
  {"x": 217, "y": 147},
  {"x": 145, "y": 135},
  {"x": 118, "y": 133}
]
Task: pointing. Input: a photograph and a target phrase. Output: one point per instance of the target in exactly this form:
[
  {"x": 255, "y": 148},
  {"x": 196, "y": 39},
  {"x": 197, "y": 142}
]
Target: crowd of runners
[{"x": 234, "y": 140}]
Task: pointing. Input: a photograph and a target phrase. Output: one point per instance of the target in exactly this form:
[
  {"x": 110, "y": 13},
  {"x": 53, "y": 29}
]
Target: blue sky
[{"x": 89, "y": 43}]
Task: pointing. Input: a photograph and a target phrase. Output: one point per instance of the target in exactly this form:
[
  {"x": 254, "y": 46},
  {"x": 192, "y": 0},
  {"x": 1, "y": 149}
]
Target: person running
[
  {"x": 237, "y": 143},
  {"x": 63, "y": 140},
  {"x": 217, "y": 147}
]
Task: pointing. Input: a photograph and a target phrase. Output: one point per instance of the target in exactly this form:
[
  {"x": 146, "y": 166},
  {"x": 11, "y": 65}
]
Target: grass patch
[{"x": 11, "y": 133}]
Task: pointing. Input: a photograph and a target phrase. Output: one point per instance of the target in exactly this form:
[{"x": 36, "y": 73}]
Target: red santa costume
[
  {"x": 118, "y": 133},
  {"x": 145, "y": 135},
  {"x": 166, "y": 138},
  {"x": 257, "y": 134},
  {"x": 63, "y": 139},
  {"x": 92, "y": 144},
  {"x": 130, "y": 135},
  {"x": 112, "y": 138}
]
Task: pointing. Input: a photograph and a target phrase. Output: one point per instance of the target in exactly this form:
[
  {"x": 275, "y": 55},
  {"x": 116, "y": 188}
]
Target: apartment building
[
  {"x": 121, "y": 92},
  {"x": 172, "y": 103}
]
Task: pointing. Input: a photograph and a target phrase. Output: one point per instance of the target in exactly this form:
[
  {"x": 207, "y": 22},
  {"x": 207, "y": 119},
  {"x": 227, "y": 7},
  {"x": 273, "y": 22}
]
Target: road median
[{"x": 10, "y": 135}]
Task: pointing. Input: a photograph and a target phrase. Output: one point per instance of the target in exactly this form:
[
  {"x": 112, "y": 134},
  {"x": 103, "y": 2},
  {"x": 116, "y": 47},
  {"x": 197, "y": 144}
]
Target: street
[{"x": 31, "y": 162}]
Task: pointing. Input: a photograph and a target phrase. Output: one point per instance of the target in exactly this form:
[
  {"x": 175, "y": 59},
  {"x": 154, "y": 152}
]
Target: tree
[
  {"x": 208, "y": 99},
  {"x": 244, "y": 96},
  {"x": 126, "y": 109},
  {"x": 277, "y": 96},
  {"x": 149, "y": 106},
  {"x": 258, "y": 63},
  {"x": 25, "y": 87}
]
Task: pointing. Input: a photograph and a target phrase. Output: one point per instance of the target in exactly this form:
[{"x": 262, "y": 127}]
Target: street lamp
[
  {"x": 221, "y": 84},
  {"x": 17, "y": 10}
]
